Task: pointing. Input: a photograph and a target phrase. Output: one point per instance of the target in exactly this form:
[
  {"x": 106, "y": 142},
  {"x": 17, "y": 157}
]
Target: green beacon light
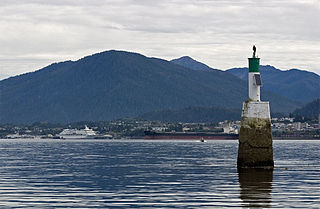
[{"x": 254, "y": 62}]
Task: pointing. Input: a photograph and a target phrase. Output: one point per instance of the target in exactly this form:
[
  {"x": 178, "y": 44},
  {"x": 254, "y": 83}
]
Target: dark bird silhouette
[{"x": 254, "y": 51}]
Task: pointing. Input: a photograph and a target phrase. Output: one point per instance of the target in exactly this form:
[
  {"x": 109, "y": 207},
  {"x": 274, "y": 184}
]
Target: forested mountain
[
  {"x": 297, "y": 85},
  {"x": 116, "y": 84},
  {"x": 188, "y": 62},
  {"x": 294, "y": 84},
  {"x": 194, "y": 114},
  {"x": 310, "y": 110}
]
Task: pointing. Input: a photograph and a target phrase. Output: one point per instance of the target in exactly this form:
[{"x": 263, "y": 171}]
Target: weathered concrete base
[
  {"x": 249, "y": 157},
  {"x": 255, "y": 139}
]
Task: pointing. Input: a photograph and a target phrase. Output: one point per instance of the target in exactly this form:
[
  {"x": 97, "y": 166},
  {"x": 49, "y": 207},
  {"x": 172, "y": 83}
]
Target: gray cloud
[{"x": 35, "y": 33}]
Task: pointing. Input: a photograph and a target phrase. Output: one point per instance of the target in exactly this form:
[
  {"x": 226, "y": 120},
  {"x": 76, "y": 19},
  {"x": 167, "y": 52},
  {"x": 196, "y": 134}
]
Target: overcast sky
[{"x": 220, "y": 33}]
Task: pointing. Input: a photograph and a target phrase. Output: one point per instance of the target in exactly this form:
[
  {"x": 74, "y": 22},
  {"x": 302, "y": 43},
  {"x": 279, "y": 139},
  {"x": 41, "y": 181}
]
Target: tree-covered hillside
[
  {"x": 116, "y": 84},
  {"x": 110, "y": 85},
  {"x": 310, "y": 110},
  {"x": 194, "y": 115},
  {"x": 294, "y": 84}
]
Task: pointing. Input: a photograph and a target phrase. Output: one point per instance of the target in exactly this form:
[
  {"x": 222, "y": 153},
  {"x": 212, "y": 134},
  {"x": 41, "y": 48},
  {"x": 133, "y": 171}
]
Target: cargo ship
[{"x": 153, "y": 135}]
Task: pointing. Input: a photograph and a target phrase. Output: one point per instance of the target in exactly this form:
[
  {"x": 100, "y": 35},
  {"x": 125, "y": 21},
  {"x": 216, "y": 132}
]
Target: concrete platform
[{"x": 255, "y": 138}]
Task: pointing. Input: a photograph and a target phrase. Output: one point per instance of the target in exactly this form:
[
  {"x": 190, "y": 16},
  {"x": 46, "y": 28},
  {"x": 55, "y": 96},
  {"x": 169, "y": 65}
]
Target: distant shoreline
[{"x": 141, "y": 138}]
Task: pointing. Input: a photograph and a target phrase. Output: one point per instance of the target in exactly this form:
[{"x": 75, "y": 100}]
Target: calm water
[{"x": 153, "y": 174}]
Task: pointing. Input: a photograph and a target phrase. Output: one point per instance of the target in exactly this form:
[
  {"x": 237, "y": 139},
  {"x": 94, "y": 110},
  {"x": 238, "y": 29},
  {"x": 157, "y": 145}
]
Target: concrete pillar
[{"x": 255, "y": 138}]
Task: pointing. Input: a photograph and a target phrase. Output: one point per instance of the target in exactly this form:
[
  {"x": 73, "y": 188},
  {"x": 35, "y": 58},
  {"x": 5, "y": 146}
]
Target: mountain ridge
[
  {"x": 109, "y": 85},
  {"x": 191, "y": 63},
  {"x": 311, "y": 110},
  {"x": 298, "y": 85},
  {"x": 115, "y": 84}
]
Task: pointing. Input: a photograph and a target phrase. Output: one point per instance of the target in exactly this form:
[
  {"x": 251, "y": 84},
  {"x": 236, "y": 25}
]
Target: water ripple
[{"x": 153, "y": 174}]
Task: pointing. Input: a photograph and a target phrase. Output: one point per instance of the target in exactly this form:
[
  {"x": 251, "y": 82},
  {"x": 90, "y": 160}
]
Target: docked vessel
[
  {"x": 86, "y": 133},
  {"x": 152, "y": 135}
]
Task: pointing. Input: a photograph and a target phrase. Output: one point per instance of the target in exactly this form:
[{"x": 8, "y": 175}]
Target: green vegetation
[
  {"x": 280, "y": 95},
  {"x": 308, "y": 112},
  {"x": 117, "y": 84},
  {"x": 296, "y": 85},
  {"x": 195, "y": 115}
]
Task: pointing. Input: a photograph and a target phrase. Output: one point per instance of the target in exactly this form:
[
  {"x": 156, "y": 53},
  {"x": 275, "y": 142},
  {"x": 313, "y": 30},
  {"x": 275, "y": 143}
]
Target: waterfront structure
[
  {"x": 86, "y": 133},
  {"x": 152, "y": 135},
  {"x": 255, "y": 138}
]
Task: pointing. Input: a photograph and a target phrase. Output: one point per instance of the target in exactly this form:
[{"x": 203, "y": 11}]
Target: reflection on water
[
  {"x": 153, "y": 174},
  {"x": 255, "y": 187}
]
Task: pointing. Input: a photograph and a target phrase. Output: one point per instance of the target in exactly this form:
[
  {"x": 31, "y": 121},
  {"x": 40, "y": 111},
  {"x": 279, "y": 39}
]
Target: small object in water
[{"x": 202, "y": 140}]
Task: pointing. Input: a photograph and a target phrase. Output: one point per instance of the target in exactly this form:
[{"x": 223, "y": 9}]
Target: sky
[{"x": 219, "y": 33}]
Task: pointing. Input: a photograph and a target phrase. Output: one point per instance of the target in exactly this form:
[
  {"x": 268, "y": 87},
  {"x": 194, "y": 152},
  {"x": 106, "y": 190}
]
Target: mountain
[
  {"x": 294, "y": 84},
  {"x": 310, "y": 110},
  {"x": 110, "y": 85},
  {"x": 4, "y": 76},
  {"x": 188, "y": 62},
  {"x": 276, "y": 100},
  {"x": 116, "y": 84},
  {"x": 194, "y": 115}
]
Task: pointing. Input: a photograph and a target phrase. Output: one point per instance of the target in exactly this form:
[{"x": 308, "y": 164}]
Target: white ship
[{"x": 86, "y": 133}]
